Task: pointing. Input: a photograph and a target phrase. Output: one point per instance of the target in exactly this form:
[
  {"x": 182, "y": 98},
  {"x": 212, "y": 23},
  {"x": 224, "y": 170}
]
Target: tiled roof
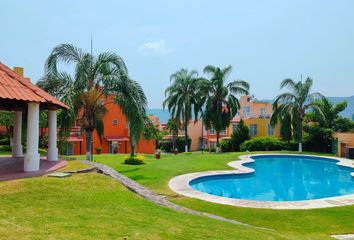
[{"x": 15, "y": 87}]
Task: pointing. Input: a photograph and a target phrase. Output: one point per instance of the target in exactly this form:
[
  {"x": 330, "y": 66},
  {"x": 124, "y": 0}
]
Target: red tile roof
[{"x": 15, "y": 87}]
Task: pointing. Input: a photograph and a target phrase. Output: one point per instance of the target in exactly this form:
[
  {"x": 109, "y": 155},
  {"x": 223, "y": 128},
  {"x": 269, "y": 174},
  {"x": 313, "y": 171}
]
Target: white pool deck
[{"x": 180, "y": 185}]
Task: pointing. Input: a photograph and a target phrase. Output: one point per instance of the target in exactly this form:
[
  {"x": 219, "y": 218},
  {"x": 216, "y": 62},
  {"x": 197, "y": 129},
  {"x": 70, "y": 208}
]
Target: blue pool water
[{"x": 282, "y": 178}]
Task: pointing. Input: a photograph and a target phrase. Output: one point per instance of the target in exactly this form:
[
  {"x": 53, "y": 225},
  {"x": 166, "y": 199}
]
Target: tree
[
  {"x": 7, "y": 120},
  {"x": 151, "y": 131},
  {"x": 173, "y": 126},
  {"x": 289, "y": 108},
  {"x": 240, "y": 135},
  {"x": 221, "y": 101},
  {"x": 183, "y": 98},
  {"x": 94, "y": 78},
  {"x": 330, "y": 117}
]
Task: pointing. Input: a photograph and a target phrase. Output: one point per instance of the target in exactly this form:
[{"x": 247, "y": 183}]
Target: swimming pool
[
  {"x": 281, "y": 178},
  {"x": 276, "y": 181}
]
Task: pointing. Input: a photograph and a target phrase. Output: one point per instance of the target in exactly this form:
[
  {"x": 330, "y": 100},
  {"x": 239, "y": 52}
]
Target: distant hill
[{"x": 348, "y": 112}]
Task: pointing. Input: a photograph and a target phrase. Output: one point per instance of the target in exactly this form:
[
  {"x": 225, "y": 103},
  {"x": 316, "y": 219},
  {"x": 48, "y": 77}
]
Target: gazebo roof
[{"x": 16, "y": 91}]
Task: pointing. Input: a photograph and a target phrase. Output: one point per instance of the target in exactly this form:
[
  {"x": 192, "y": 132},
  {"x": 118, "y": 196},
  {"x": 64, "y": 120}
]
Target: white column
[
  {"x": 32, "y": 158},
  {"x": 16, "y": 141},
  {"x": 52, "y": 152}
]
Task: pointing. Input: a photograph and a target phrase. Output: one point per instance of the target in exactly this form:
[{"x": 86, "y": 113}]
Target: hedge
[
  {"x": 267, "y": 144},
  {"x": 166, "y": 145}
]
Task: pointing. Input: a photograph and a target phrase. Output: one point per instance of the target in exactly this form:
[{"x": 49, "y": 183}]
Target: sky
[{"x": 264, "y": 41}]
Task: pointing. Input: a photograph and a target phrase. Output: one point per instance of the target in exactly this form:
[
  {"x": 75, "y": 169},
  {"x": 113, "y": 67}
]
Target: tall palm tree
[
  {"x": 289, "y": 108},
  {"x": 221, "y": 101},
  {"x": 173, "y": 125},
  {"x": 94, "y": 78},
  {"x": 183, "y": 98}
]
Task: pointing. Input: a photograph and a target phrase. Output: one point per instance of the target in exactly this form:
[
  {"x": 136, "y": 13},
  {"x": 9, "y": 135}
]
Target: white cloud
[{"x": 154, "y": 47}]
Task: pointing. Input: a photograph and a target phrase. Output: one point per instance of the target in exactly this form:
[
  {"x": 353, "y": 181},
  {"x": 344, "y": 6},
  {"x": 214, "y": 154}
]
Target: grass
[
  {"x": 295, "y": 224},
  {"x": 94, "y": 206}
]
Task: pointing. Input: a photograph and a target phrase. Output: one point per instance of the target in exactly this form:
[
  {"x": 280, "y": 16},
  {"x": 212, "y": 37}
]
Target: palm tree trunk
[
  {"x": 132, "y": 147},
  {"x": 186, "y": 136},
  {"x": 88, "y": 144},
  {"x": 217, "y": 141},
  {"x": 173, "y": 143},
  {"x": 300, "y": 134}
]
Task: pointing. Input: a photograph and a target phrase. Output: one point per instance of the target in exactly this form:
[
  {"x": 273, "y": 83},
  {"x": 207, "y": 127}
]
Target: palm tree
[
  {"x": 172, "y": 126},
  {"x": 94, "y": 78},
  {"x": 289, "y": 108},
  {"x": 221, "y": 101},
  {"x": 183, "y": 98}
]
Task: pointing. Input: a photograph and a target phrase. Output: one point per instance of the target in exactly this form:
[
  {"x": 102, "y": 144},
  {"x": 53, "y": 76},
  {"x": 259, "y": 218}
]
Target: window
[
  {"x": 253, "y": 130},
  {"x": 211, "y": 131},
  {"x": 270, "y": 130},
  {"x": 115, "y": 122},
  {"x": 234, "y": 126},
  {"x": 246, "y": 111},
  {"x": 262, "y": 112}
]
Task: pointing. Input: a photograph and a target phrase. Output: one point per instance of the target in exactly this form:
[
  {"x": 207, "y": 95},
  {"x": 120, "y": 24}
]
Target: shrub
[
  {"x": 5, "y": 141},
  {"x": 317, "y": 138},
  {"x": 239, "y": 136},
  {"x": 166, "y": 145},
  {"x": 135, "y": 160},
  {"x": 43, "y": 141},
  {"x": 180, "y": 143},
  {"x": 6, "y": 148},
  {"x": 225, "y": 145},
  {"x": 263, "y": 144}
]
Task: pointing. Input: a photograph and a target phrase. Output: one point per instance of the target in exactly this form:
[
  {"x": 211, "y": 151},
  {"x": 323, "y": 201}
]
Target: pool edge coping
[{"x": 180, "y": 185}]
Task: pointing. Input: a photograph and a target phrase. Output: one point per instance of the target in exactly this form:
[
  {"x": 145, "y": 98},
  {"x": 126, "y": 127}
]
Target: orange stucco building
[{"x": 115, "y": 137}]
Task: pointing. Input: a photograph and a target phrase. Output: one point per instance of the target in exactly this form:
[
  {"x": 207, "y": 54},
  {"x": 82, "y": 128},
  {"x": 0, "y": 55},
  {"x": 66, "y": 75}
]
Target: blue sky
[{"x": 265, "y": 41}]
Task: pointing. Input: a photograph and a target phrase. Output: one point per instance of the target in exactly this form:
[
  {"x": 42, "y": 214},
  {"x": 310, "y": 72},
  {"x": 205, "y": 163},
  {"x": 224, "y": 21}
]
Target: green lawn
[
  {"x": 295, "y": 224},
  {"x": 94, "y": 206}
]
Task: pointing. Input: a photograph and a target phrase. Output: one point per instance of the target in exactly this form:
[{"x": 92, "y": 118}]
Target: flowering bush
[{"x": 136, "y": 160}]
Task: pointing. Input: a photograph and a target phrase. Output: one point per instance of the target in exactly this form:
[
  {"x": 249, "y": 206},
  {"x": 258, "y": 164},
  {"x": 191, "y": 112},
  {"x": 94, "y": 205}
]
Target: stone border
[{"x": 180, "y": 185}]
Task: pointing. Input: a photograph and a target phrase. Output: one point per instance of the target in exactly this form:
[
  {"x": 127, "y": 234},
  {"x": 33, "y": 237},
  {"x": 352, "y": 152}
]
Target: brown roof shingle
[{"x": 15, "y": 87}]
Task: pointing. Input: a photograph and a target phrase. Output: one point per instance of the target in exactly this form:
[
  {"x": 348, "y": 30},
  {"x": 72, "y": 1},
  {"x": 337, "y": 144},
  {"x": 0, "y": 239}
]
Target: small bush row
[
  {"x": 267, "y": 144},
  {"x": 166, "y": 145},
  {"x": 135, "y": 160}
]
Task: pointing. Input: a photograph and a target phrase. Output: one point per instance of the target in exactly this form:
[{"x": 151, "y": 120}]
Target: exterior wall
[
  {"x": 255, "y": 108},
  {"x": 195, "y": 133},
  {"x": 344, "y": 140},
  {"x": 114, "y": 114},
  {"x": 262, "y": 127}
]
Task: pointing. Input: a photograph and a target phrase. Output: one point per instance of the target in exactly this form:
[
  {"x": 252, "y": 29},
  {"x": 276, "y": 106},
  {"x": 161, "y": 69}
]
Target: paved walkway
[
  {"x": 12, "y": 168},
  {"x": 153, "y": 197}
]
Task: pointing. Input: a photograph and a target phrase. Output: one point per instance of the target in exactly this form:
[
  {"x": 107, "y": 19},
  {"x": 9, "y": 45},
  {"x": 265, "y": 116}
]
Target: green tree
[
  {"x": 289, "y": 108},
  {"x": 221, "y": 101},
  {"x": 240, "y": 135},
  {"x": 94, "y": 78},
  {"x": 173, "y": 126},
  {"x": 151, "y": 131},
  {"x": 183, "y": 98},
  {"x": 7, "y": 120}
]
